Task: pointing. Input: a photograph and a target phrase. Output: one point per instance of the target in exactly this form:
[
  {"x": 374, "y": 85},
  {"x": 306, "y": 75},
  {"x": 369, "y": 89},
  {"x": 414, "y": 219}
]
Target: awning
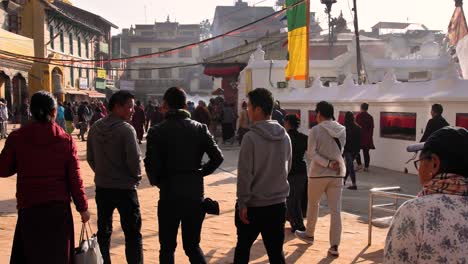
[
  {"x": 16, "y": 44},
  {"x": 94, "y": 94},
  {"x": 75, "y": 92},
  {"x": 222, "y": 71}
]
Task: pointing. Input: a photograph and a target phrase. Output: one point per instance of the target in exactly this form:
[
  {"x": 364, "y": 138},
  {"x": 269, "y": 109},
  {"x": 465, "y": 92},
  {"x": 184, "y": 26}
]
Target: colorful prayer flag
[
  {"x": 298, "y": 40},
  {"x": 457, "y": 28}
]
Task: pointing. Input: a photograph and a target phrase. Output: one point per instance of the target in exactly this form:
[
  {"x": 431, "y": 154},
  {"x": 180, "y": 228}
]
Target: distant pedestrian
[
  {"x": 103, "y": 108},
  {"x": 3, "y": 118},
  {"x": 326, "y": 172},
  {"x": 69, "y": 118},
  {"x": 201, "y": 114},
  {"x": 191, "y": 107},
  {"x": 45, "y": 160},
  {"x": 139, "y": 120},
  {"x": 173, "y": 163},
  {"x": 244, "y": 122},
  {"x": 228, "y": 121},
  {"x": 352, "y": 147},
  {"x": 60, "y": 116},
  {"x": 366, "y": 122},
  {"x": 157, "y": 116},
  {"x": 25, "y": 113},
  {"x": 149, "y": 109},
  {"x": 114, "y": 156},
  {"x": 265, "y": 159},
  {"x": 297, "y": 177},
  {"x": 435, "y": 123},
  {"x": 83, "y": 117},
  {"x": 98, "y": 115}
]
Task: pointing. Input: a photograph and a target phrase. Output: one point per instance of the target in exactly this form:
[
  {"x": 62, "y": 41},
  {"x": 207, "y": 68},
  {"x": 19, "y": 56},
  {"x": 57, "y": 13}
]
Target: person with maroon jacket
[
  {"x": 139, "y": 120},
  {"x": 366, "y": 122},
  {"x": 44, "y": 157}
]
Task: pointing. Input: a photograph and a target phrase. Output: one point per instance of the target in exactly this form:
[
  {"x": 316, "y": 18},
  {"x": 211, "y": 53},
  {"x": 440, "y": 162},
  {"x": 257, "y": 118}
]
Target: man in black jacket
[
  {"x": 435, "y": 123},
  {"x": 173, "y": 163}
]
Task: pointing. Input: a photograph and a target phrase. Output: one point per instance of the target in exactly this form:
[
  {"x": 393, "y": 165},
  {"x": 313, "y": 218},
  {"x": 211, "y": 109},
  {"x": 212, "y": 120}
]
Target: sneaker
[
  {"x": 353, "y": 187},
  {"x": 302, "y": 235},
  {"x": 333, "y": 251}
]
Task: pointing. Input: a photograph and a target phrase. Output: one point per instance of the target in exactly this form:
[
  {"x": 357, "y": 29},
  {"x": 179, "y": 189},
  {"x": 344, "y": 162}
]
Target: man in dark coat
[
  {"x": 366, "y": 122},
  {"x": 201, "y": 114},
  {"x": 435, "y": 123},
  {"x": 139, "y": 120},
  {"x": 173, "y": 163}
]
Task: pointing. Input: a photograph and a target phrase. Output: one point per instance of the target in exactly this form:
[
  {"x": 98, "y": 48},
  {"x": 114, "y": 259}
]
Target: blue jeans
[
  {"x": 126, "y": 202},
  {"x": 349, "y": 158}
]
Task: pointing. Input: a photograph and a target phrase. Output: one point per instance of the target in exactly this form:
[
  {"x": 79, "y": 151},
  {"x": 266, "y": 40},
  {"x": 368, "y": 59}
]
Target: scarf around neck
[
  {"x": 449, "y": 183},
  {"x": 178, "y": 114}
]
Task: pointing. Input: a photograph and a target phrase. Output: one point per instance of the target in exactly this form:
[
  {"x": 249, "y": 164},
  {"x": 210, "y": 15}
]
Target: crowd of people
[{"x": 274, "y": 183}]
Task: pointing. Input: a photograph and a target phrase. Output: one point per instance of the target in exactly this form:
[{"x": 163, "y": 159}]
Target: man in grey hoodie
[
  {"x": 114, "y": 156},
  {"x": 262, "y": 181},
  {"x": 326, "y": 173}
]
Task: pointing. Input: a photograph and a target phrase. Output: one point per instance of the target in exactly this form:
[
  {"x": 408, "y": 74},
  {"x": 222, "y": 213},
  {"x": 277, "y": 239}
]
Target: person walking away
[
  {"x": 366, "y": 122},
  {"x": 432, "y": 228},
  {"x": 69, "y": 118},
  {"x": 25, "y": 113},
  {"x": 149, "y": 110},
  {"x": 216, "y": 116},
  {"x": 265, "y": 159},
  {"x": 83, "y": 113},
  {"x": 103, "y": 108},
  {"x": 201, "y": 114},
  {"x": 60, "y": 116},
  {"x": 114, "y": 156},
  {"x": 177, "y": 170},
  {"x": 435, "y": 123},
  {"x": 3, "y": 119},
  {"x": 352, "y": 147},
  {"x": 228, "y": 119},
  {"x": 139, "y": 120},
  {"x": 244, "y": 122},
  {"x": 98, "y": 115},
  {"x": 327, "y": 169},
  {"x": 45, "y": 160},
  {"x": 157, "y": 116},
  {"x": 297, "y": 177}
]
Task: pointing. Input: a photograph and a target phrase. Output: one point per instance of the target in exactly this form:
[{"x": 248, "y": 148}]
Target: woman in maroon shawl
[
  {"x": 139, "y": 120},
  {"x": 366, "y": 122}
]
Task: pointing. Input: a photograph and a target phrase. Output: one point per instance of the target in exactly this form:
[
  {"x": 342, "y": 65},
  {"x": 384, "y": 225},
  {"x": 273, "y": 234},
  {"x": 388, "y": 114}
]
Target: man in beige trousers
[{"x": 326, "y": 173}]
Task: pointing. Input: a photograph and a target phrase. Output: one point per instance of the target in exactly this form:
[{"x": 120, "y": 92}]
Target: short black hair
[
  {"x": 293, "y": 120},
  {"x": 42, "y": 105},
  {"x": 365, "y": 106},
  {"x": 175, "y": 98},
  {"x": 262, "y": 98},
  {"x": 325, "y": 109},
  {"x": 438, "y": 109},
  {"x": 120, "y": 98}
]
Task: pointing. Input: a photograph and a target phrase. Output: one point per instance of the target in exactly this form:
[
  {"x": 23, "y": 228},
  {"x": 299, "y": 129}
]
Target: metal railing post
[{"x": 371, "y": 206}]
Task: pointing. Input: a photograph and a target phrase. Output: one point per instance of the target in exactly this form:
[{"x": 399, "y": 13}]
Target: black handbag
[{"x": 211, "y": 206}]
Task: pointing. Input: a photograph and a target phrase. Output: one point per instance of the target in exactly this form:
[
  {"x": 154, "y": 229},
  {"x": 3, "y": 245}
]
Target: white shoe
[{"x": 302, "y": 235}]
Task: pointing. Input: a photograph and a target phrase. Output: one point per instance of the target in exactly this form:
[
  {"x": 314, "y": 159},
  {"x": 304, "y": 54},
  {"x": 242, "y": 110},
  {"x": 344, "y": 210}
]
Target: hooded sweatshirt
[
  {"x": 113, "y": 154},
  {"x": 323, "y": 149},
  {"x": 265, "y": 160}
]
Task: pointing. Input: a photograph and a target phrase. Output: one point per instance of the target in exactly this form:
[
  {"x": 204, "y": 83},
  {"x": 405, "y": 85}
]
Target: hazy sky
[{"x": 435, "y": 14}]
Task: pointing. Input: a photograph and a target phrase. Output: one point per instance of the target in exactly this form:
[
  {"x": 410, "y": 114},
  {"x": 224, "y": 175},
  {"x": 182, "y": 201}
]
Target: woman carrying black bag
[{"x": 297, "y": 177}]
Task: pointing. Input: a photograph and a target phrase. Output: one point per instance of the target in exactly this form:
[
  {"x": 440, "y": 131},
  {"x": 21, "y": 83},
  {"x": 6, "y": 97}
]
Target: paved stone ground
[{"x": 219, "y": 234}]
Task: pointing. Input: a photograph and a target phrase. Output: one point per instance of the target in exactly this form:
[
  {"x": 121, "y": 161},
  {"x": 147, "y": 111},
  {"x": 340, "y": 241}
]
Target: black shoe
[
  {"x": 334, "y": 251},
  {"x": 353, "y": 187}
]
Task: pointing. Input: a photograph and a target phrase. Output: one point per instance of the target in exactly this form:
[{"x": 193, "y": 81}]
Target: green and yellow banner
[{"x": 298, "y": 40}]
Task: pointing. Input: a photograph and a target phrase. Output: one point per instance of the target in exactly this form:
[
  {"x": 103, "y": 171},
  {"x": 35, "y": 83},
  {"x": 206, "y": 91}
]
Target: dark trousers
[
  {"x": 349, "y": 158},
  {"x": 228, "y": 131},
  {"x": 366, "y": 154},
  {"x": 44, "y": 234},
  {"x": 126, "y": 202},
  {"x": 190, "y": 215},
  {"x": 242, "y": 132},
  {"x": 268, "y": 221},
  {"x": 298, "y": 186}
]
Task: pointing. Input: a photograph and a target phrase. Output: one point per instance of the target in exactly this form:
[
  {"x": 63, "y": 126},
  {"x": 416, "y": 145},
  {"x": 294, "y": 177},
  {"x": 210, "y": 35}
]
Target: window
[
  {"x": 462, "y": 120},
  {"x": 312, "y": 119},
  {"x": 147, "y": 33},
  {"x": 185, "y": 72},
  {"x": 185, "y": 53},
  {"x": 80, "y": 74},
  {"x": 165, "y": 55},
  {"x": 398, "y": 125},
  {"x": 72, "y": 77},
  {"x": 79, "y": 46},
  {"x": 70, "y": 42},
  {"x": 87, "y": 48},
  {"x": 165, "y": 73},
  {"x": 51, "y": 34},
  {"x": 14, "y": 23},
  {"x": 87, "y": 74},
  {"x": 62, "y": 44},
  {"x": 144, "y": 74},
  {"x": 144, "y": 51}
]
